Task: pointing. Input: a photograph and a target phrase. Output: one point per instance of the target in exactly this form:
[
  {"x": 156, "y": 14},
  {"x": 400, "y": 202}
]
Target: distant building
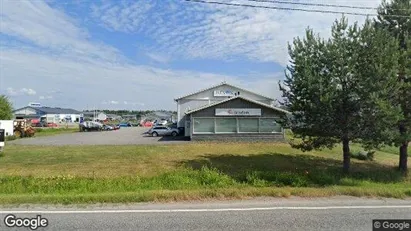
[
  {"x": 52, "y": 114},
  {"x": 114, "y": 117},
  {"x": 129, "y": 117}
]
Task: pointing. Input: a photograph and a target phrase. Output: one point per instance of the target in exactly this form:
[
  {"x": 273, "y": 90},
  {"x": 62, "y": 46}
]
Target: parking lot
[{"x": 124, "y": 136}]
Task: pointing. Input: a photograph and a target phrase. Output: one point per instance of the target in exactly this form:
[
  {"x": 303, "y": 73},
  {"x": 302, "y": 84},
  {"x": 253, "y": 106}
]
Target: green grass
[
  {"x": 54, "y": 131},
  {"x": 90, "y": 174}
]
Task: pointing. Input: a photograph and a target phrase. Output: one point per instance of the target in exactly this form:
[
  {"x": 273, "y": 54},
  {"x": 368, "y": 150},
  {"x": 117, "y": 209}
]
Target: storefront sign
[
  {"x": 238, "y": 112},
  {"x": 225, "y": 93}
]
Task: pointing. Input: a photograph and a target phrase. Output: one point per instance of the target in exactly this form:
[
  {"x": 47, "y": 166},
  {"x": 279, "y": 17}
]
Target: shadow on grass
[{"x": 294, "y": 170}]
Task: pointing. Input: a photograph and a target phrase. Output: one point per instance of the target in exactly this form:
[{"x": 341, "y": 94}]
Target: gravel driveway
[{"x": 124, "y": 136}]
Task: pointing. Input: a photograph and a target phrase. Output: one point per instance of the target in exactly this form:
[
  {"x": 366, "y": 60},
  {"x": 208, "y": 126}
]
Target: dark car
[{"x": 124, "y": 125}]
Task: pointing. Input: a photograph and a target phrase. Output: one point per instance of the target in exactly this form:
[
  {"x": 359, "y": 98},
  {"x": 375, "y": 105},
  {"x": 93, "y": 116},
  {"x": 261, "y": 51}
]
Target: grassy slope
[{"x": 193, "y": 171}]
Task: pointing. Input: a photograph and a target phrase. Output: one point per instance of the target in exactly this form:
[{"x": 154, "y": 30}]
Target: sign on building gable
[
  {"x": 225, "y": 93},
  {"x": 238, "y": 112}
]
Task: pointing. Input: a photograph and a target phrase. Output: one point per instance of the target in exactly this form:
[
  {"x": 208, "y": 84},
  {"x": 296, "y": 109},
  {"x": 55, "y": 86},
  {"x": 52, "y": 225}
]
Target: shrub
[
  {"x": 363, "y": 155},
  {"x": 370, "y": 155},
  {"x": 10, "y": 138},
  {"x": 39, "y": 129}
]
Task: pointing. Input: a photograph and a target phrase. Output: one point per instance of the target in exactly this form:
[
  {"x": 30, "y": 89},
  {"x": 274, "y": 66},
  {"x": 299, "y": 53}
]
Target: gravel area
[{"x": 123, "y": 136}]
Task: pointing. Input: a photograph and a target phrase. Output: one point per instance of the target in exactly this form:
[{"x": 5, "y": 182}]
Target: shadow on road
[
  {"x": 171, "y": 138},
  {"x": 168, "y": 138},
  {"x": 295, "y": 170}
]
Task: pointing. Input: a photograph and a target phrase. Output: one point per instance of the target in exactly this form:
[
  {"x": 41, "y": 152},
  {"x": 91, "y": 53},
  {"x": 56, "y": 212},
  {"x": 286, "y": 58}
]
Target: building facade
[
  {"x": 51, "y": 115},
  {"x": 229, "y": 112}
]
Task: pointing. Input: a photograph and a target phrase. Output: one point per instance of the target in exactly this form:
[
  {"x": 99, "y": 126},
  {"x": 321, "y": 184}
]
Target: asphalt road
[
  {"x": 123, "y": 136},
  {"x": 342, "y": 213}
]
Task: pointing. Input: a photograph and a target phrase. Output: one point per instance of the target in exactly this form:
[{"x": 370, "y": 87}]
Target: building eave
[{"x": 237, "y": 97}]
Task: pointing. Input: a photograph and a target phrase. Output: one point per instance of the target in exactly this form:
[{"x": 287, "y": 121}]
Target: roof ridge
[
  {"x": 220, "y": 84},
  {"x": 237, "y": 97}
]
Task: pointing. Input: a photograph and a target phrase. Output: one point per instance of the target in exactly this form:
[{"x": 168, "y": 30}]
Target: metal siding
[
  {"x": 193, "y": 101},
  {"x": 237, "y": 103},
  {"x": 239, "y": 137}
]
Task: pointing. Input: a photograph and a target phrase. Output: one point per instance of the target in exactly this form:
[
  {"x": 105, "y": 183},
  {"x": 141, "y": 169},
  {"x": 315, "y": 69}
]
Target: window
[
  {"x": 203, "y": 125},
  {"x": 226, "y": 125},
  {"x": 248, "y": 125},
  {"x": 269, "y": 126}
]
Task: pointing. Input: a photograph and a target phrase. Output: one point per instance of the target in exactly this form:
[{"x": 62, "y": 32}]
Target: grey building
[
  {"x": 51, "y": 114},
  {"x": 228, "y": 112}
]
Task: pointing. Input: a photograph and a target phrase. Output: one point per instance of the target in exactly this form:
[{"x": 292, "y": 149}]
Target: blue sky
[{"x": 142, "y": 54}]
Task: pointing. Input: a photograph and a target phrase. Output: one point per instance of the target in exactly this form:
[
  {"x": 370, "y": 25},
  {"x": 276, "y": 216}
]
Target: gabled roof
[
  {"x": 52, "y": 110},
  {"x": 237, "y": 97},
  {"x": 219, "y": 85}
]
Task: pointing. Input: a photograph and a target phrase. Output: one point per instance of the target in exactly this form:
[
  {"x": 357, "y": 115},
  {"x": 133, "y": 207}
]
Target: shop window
[
  {"x": 269, "y": 126},
  {"x": 203, "y": 125},
  {"x": 228, "y": 125},
  {"x": 248, "y": 125}
]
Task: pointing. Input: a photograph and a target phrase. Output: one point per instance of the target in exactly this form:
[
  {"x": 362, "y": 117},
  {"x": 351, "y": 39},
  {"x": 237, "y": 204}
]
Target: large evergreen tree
[
  {"x": 337, "y": 89},
  {"x": 395, "y": 17},
  {"x": 6, "y": 109}
]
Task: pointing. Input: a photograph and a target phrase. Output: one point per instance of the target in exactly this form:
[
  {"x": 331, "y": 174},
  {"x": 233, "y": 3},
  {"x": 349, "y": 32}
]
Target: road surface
[
  {"x": 342, "y": 213},
  {"x": 123, "y": 136}
]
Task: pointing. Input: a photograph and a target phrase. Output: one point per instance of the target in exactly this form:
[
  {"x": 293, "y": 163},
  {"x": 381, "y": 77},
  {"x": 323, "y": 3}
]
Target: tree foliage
[
  {"x": 337, "y": 89},
  {"x": 400, "y": 28},
  {"x": 6, "y": 108}
]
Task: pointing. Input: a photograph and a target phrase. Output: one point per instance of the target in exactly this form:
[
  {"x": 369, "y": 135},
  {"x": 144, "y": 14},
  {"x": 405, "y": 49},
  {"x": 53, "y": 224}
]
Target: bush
[
  {"x": 363, "y": 155},
  {"x": 10, "y": 138}
]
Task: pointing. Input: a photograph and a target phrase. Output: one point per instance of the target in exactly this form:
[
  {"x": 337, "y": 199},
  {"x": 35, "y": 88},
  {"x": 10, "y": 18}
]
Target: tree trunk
[
  {"x": 403, "y": 157},
  {"x": 403, "y": 152},
  {"x": 346, "y": 155}
]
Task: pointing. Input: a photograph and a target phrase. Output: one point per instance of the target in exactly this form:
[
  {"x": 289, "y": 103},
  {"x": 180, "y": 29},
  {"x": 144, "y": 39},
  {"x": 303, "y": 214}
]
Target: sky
[{"x": 142, "y": 54}]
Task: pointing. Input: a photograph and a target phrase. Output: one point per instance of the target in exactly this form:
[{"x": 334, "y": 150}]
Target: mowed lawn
[{"x": 89, "y": 174}]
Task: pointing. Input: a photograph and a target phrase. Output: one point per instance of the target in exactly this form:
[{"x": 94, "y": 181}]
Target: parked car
[
  {"x": 108, "y": 127},
  {"x": 90, "y": 126},
  {"x": 125, "y": 124},
  {"x": 162, "y": 122},
  {"x": 52, "y": 125},
  {"x": 162, "y": 131}
]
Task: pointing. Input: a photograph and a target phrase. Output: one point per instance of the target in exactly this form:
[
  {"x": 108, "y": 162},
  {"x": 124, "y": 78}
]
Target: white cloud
[
  {"x": 37, "y": 23},
  {"x": 123, "y": 16},
  {"x": 159, "y": 58},
  {"x": 98, "y": 74},
  {"x": 155, "y": 87},
  {"x": 11, "y": 92},
  {"x": 28, "y": 91},
  {"x": 46, "y": 97},
  {"x": 23, "y": 91},
  {"x": 194, "y": 30}
]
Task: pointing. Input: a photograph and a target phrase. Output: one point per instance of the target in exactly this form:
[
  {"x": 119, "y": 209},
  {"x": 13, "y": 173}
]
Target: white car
[{"x": 162, "y": 123}]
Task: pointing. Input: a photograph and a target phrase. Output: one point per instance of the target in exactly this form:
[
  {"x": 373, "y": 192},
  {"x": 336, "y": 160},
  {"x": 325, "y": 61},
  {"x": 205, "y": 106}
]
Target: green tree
[
  {"x": 395, "y": 17},
  {"x": 6, "y": 108},
  {"x": 337, "y": 89}
]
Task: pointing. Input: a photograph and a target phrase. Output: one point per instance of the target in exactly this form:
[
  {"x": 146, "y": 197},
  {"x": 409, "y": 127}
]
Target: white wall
[
  {"x": 72, "y": 116},
  {"x": 8, "y": 126},
  {"x": 26, "y": 111}
]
